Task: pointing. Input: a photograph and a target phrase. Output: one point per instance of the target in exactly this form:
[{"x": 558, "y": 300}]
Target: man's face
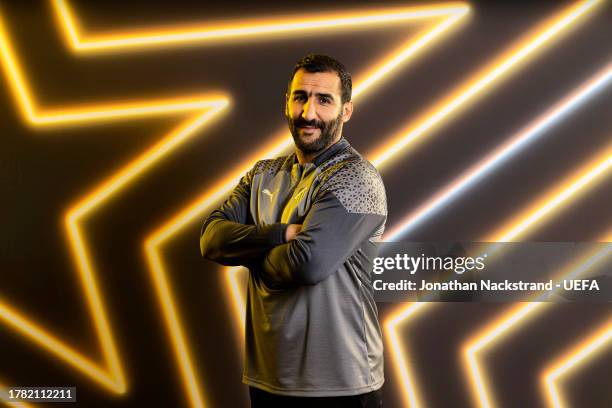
[{"x": 314, "y": 110}]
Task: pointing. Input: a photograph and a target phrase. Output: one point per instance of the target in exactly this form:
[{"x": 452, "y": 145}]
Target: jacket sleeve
[
  {"x": 348, "y": 210},
  {"x": 228, "y": 237}
]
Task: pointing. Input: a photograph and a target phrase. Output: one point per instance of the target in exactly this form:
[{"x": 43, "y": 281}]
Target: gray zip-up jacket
[{"x": 311, "y": 320}]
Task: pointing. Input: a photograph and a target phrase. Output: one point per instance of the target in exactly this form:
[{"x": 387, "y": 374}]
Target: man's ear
[
  {"x": 347, "y": 111},
  {"x": 286, "y": 104}
]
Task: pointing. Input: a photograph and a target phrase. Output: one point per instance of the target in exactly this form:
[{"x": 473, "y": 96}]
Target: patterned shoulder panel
[
  {"x": 271, "y": 166},
  {"x": 357, "y": 185}
]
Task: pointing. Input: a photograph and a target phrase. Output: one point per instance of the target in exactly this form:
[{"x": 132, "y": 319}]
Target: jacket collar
[{"x": 331, "y": 151}]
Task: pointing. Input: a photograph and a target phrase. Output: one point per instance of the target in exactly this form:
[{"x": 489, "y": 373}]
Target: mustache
[{"x": 301, "y": 122}]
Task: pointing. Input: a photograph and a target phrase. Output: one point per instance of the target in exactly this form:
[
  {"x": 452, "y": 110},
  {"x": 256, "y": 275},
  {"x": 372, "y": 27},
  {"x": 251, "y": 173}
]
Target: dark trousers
[{"x": 261, "y": 398}]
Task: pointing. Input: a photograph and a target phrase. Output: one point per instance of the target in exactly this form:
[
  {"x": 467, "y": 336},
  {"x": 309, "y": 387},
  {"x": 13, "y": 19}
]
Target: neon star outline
[
  {"x": 552, "y": 201},
  {"x": 595, "y": 169},
  {"x": 452, "y": 12},
  {"x": 534, "y": 130},
  {"x": 571, "y": 360},
  {"x": 4, "y": 398},
  {"x": 477, "y": 83},
  {"x": 542, "y": 34},
  {"x": 510, "y": 320},
  {"x": 561, "y": 108},
  {"x": 157, "y": 260},
  {"x": 205, "y": 107},
  {"x": 180, "y": 35}
]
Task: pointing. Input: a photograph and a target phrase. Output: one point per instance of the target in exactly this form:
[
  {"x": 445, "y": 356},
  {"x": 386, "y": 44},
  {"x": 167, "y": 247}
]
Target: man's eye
[
  {"x": 324, "y": 100},
  {"x": 298, "y": 98}
]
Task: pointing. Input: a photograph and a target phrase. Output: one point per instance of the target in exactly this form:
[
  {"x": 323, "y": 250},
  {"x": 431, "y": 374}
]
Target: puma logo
[{"x": 267, "y": 192}]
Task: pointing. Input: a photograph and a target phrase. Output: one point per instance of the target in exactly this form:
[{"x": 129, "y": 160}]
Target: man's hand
[{"x": 292, "y": 231}]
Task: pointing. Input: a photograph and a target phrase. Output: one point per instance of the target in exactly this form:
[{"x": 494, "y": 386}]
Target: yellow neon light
[
  {"x": 593, "y": 172},
  {"x": 538, "y": 38},
  {"x": 486, "y": 164},
  {"x": 10, "y": 404},
  {"x": 505, "y": 324},
  {"x": 569, "y": 188},
  {"x": 477, "y": 84},
  {"x": 280, "y": 143},
  {"x": 447, "y": 106},
  {"x": 572, "y": 360},
  {"x": 477, "y": 381},
  {"x": 240, "y": 29},
  {"x": 177, "y": 222},
  {"x": 391, "y": 325},
  {"x": 200, "y": 110},
  {"x": 43, "y": 338}
]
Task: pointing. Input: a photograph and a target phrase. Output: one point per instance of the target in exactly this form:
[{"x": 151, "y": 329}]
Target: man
[{"x": 304, "y": 226}]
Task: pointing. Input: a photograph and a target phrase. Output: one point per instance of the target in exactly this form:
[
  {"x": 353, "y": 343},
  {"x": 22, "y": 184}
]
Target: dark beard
[{"x": 329, "y": 131}]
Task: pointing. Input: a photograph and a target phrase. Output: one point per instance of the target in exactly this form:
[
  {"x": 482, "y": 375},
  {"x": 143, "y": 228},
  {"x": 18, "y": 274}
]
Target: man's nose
[{"x": 309, "y": 112}]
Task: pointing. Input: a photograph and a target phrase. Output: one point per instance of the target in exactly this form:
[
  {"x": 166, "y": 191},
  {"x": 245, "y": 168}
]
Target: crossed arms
[{"x": 329, "y": 235}]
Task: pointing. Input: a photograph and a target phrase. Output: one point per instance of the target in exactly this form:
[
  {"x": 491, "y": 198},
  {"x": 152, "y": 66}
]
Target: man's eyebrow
[
  {"x": 319, "y": 94},
  {"x": 326, "y": 95}
]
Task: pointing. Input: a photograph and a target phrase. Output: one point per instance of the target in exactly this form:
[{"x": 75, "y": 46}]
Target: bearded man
[{"x": 305, "y": 226}]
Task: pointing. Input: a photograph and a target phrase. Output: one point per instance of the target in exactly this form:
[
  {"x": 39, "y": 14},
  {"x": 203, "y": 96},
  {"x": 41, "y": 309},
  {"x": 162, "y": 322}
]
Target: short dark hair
[{"x": 324, "y": 63}]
